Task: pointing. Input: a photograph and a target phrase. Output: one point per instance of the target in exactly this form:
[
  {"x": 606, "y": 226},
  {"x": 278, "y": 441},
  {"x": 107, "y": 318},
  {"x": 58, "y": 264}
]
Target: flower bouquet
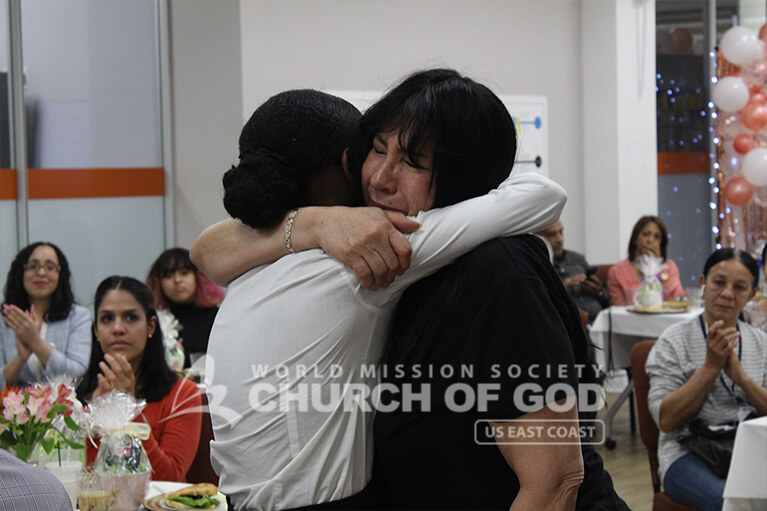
[{"x": 27, "y": 415}]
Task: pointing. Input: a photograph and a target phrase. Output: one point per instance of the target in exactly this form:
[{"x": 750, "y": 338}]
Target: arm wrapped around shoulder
[{"x": 261, "y": 189}]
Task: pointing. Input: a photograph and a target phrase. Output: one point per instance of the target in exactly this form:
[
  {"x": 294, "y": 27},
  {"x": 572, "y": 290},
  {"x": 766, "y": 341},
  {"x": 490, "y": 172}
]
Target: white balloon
[
  {"x": 740, "y": 45},
  {"x": 730, "y": 94},
  {"x": 755, "y": 166}
]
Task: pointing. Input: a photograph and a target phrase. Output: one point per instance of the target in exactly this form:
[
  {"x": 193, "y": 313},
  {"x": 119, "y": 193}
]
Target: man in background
[{"x": 580, "y": 279}]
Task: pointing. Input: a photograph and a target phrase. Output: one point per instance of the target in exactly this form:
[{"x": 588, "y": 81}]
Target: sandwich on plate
[{"x": 197, "y": 496}]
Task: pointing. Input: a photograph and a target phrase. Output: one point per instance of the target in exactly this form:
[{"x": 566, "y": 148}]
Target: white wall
[
  {"x": 532, "y": 47},
  {"x": 522, "y": 47},
  {"x": 619, "y": 126},
  {"x": 207, "y": 108}
]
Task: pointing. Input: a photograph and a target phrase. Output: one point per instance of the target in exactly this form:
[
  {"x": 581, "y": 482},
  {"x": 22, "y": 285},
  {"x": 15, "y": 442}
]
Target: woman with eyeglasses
[{"x": 44, "y": 332}]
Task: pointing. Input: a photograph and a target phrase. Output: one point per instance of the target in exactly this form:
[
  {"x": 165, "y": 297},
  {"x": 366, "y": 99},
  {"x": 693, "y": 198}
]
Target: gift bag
[
  {"x": 649, "y": 294},
  {"x": 122, "y": 463}
]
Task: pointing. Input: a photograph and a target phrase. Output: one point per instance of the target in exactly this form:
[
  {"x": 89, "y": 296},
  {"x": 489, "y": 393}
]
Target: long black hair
[
  {"x": 155, "y": 378},
  {"x": 62, "y": 298},
  {"x": 461, "y": 123},
  {"x": 285, "y": 144}
]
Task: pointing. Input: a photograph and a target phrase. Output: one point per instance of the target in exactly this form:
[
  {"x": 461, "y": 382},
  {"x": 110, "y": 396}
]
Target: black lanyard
[{"x": 730, "y": 390}]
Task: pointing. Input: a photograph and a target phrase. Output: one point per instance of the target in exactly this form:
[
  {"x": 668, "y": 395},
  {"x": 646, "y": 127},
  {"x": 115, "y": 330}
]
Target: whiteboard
[{"x": 530, "y": 114}]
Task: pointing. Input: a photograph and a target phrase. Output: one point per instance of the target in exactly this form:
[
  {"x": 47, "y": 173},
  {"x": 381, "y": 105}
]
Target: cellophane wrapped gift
[
  {"x": 649, "y": 294},
  {"x": 121, "y": 463},
  {"x": 170, "y": 326}
]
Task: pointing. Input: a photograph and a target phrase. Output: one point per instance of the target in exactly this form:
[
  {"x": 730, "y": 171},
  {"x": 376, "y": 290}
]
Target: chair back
[
  {"x": 648, "y": 430},
  {"x": 602, "y": 271},
  {"x": 201, "y": 470}
]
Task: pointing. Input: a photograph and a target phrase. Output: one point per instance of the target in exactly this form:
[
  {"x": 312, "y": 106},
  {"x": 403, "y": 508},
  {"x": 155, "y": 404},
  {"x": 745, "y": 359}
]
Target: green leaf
[
  {"x": 47, "y": 444},
  {"x": 202, "y": 502},
  {"x": 21, "y": 452},
  {"x": 71, "y": 424},
  {"x": 71, "y": 443},
  {"x": 7, "y": 438}
]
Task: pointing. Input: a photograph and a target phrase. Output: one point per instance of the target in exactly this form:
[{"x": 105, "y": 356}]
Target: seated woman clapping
[
  {"x": 128, "y": 355},
  {"x": 44, "y": 332},
  {"x": 712, "y": 368}
]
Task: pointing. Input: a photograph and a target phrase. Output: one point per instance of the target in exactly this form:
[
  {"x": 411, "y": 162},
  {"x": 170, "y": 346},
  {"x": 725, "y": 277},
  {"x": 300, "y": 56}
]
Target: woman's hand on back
[{"x": 368, "y": 240}]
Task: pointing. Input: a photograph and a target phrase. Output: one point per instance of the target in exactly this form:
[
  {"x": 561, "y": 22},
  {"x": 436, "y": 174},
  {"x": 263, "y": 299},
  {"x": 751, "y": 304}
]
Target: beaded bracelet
[{"x": 289, "y": 230}]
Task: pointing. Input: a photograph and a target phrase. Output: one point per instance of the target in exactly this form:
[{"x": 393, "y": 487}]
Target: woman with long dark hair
[
  {"x": 710, "y": 368},
  {"x": 649, "y": 236},
  {"x": 128, "y": 355},
  {"x": 44, "y": 332},
  {"x": 185, "y": 291}
]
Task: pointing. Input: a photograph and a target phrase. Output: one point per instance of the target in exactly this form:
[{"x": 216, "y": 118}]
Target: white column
[{"x": 619, "y": 132}]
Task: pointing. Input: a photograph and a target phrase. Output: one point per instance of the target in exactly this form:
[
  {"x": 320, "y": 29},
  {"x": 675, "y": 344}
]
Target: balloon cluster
[{"x": 742, "y": 103}]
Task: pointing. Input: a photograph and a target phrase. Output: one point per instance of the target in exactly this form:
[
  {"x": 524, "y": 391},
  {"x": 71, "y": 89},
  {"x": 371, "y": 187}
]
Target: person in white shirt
[{"x": 294, "y": 348}]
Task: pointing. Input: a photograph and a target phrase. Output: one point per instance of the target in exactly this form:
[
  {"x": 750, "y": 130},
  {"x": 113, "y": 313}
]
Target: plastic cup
[
  {"x": 94, "y": 494},
  {"x": 68, "y": 472},
  {"x": 95, "y": 500}
]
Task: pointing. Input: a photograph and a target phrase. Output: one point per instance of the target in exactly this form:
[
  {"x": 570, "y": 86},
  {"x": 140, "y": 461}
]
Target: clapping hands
[
  {"x": 116, "y": 374},
  {"x": 26, "y": 325}
]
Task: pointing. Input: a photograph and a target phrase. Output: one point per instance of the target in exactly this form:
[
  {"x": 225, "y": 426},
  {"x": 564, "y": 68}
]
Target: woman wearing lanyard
[{"x": 712, "y": 368}]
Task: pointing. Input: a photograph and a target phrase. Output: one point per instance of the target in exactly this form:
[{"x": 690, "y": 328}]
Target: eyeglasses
[{"x": 48, "y": 266}]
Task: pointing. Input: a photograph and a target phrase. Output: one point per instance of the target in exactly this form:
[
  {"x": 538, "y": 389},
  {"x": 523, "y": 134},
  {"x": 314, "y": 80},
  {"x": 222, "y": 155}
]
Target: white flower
[
  {"x": 170, "y": 327},
  {"x": 649, "y": 264}
]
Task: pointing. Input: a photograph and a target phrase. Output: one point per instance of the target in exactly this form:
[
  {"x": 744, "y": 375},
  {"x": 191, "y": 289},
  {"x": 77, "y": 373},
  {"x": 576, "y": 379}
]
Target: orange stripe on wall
[
  {"x": 683, "y": 163},
  {"x": 92, "y": 183},
  {"x": 7, "y": 184}
]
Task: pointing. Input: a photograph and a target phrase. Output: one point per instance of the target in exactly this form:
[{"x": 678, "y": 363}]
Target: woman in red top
[
  {"x": 650, "y": 236},
  {"x": 128, "y": 355}
]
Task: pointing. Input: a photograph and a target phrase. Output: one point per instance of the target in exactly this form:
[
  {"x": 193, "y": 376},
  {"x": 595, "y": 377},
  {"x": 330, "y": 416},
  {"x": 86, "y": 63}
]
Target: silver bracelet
[{"x": 289, "y": 230}]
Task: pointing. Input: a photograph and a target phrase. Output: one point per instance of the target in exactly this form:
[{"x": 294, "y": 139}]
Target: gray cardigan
[{"x": 72, "y": 340}]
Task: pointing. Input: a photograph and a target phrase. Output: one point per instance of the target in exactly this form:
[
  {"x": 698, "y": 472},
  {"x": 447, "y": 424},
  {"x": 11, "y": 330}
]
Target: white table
[
  {"x": 614, "y": 331},
  {"x": 746, "y": 487}
]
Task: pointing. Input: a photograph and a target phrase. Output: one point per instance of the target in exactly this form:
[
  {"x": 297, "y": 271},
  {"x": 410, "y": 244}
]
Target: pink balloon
[
  {"x": 758, "y": 98},
  {"x": 763, "y": 33},
  {"x": 743, "y": 143},
  {"x": 738, "y": 191},
  {"x": 754, "y": 116}
]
